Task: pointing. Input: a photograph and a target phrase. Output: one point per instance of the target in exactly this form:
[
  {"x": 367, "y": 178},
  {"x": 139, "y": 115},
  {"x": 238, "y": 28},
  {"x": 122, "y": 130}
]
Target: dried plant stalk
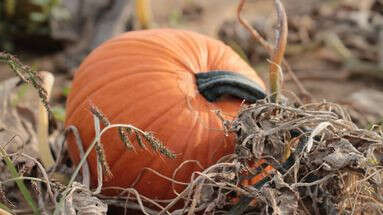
[
  {"x": 269, "y": 47},
  {"x": 26, "y": 74},
  {"x": 256, "y": 35},
  {"x": 43, "y": 122},
  {"x": 144, "y": 13},
  {"x": 99, "y": 146},
  {"x": 155, "y": 144},
  {"x": 278, "y": 52}
]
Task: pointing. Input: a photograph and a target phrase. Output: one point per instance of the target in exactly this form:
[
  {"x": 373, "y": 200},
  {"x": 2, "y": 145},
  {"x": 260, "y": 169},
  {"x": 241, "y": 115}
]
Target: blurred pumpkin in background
[{"x": 168, "y": 82}]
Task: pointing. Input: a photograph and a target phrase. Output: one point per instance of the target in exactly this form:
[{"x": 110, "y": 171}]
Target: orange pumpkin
[
  {"x": 254, "y": 181},
  {"x": 168, "y": 82}
]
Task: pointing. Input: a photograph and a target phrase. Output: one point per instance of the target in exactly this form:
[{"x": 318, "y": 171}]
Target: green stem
[
  {"x": 20, "y": 183},
  {"x": 214, "y": 84}
]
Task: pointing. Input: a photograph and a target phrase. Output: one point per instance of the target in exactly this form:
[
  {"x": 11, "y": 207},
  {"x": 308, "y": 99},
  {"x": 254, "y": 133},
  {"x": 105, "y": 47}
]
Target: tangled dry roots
[{"x": 323, "y": 163}]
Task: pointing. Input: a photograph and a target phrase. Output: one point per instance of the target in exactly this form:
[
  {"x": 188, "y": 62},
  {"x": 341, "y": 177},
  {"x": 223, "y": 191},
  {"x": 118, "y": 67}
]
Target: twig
[
  {"x": 304, "y": 93},
  {"x": 131, "y": 205},
  {"x": 320, "y": 181},
  {"x": 190, "y": 186},
  {"x": 45, "y": 175},
  {"x": 22, "y": 178},
  {"x": 256, "y": 35},
  {"x": 138, "y": 197},
  {"x": 78, "y": 141},
  {"x": 102, "y": 164},
  {"x": 180, "y": 167},
  {"x": 40, "y": 199}
]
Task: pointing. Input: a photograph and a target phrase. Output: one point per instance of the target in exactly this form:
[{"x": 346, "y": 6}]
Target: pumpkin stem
[{"x": 214, "y": 84}]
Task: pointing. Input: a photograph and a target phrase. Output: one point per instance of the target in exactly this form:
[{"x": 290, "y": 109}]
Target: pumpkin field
[{"x": 191, "y": 107}]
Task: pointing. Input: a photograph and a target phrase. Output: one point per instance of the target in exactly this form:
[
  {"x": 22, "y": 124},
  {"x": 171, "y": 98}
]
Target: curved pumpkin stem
[{"x": 214, "y": 84}]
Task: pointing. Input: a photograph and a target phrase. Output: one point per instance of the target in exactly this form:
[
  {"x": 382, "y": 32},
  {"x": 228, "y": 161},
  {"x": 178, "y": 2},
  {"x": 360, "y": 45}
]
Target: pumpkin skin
[{"x": 147, "y": 79}]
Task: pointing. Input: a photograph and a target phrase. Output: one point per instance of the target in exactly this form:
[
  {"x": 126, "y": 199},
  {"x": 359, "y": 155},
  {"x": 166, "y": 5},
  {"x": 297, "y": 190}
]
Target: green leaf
[
  {"x": 37, "y": 17},
  {"x": 59, "y": 113},
  {"x": 65, "y": 91},
  {"x": 20, "y": 183},
  {"x": 40, "y": 2}
]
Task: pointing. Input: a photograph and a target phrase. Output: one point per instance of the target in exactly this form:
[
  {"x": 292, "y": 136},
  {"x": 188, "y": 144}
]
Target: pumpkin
[
  {"x": 168, "y": 82},
  {"x": 250, "y": 180}
]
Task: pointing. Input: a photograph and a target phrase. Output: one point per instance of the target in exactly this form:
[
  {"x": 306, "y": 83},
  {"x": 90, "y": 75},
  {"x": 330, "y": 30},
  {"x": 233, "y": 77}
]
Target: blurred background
[{"x": 335, "y": 47}]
